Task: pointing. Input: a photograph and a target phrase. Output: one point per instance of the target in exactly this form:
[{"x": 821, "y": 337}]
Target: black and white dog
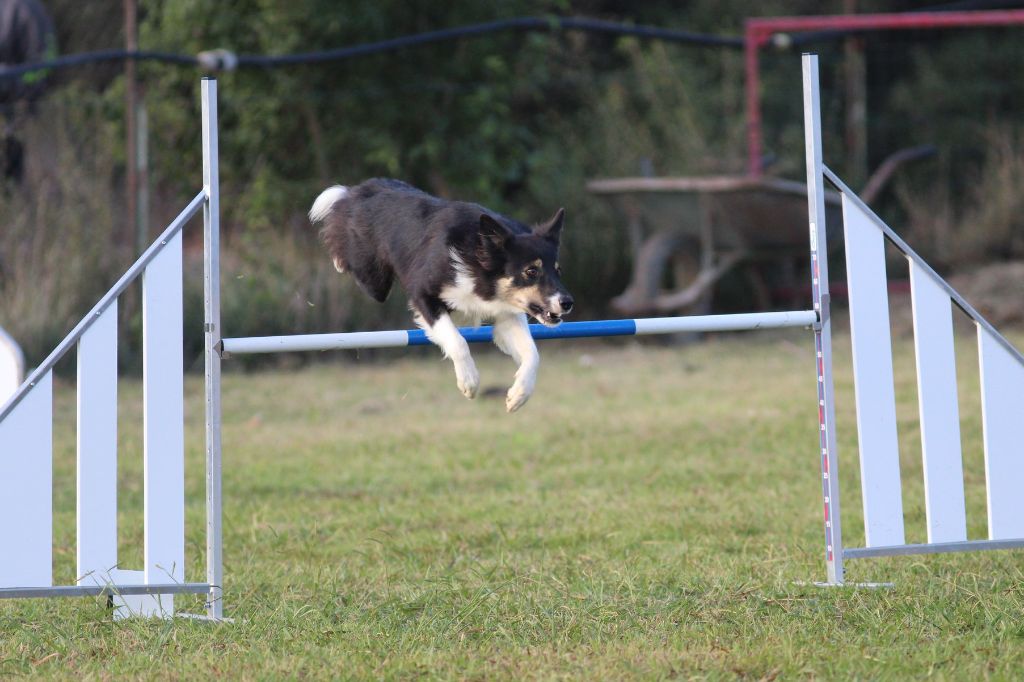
[{"x": 454, "y": 259}]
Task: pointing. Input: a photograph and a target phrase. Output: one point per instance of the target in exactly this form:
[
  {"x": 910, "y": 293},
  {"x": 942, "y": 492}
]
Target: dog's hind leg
[
  {"x": 374, "y": 278},
  {"x": 512, "y": 336},
  {"x": 442, "y": 331}
]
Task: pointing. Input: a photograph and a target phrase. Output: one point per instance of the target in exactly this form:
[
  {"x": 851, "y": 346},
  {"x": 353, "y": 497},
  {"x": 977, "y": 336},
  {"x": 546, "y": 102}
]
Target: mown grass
[{"x": 652, "y": 513}]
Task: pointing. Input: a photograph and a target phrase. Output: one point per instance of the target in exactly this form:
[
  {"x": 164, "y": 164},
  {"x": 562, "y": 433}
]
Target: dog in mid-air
[{"x": 454, "y": 260}]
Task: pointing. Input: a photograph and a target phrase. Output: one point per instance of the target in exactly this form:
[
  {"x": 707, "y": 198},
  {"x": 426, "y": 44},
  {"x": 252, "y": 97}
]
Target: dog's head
[{"x": 525, "y": 267}]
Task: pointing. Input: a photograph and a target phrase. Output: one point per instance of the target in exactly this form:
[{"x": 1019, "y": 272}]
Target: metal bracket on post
[{"x": 825, "y": 314}]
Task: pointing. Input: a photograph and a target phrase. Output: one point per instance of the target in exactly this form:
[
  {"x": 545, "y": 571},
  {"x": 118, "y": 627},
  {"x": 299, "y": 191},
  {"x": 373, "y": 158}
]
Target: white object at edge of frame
[{"x": 12, "y": 366}]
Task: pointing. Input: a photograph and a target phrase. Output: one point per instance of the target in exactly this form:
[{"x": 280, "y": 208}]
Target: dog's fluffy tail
[
  {"x": 325, "y": 202},
  {"x": 331, "y": 233}
]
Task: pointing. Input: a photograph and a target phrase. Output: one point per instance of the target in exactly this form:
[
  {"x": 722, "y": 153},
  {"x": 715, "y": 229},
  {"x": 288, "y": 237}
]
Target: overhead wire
[{"x": 225, "y": 60}]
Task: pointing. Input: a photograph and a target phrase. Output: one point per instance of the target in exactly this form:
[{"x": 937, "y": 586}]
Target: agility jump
[{"x": 26, "y": 532}]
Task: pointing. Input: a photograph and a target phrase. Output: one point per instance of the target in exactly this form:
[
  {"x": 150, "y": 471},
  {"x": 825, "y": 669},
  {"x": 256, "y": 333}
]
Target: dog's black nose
[{"x": 566, "y": 303}]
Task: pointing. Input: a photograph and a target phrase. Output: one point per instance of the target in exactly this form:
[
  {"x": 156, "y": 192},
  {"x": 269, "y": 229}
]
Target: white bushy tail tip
[{"x": 325, "y": 202}]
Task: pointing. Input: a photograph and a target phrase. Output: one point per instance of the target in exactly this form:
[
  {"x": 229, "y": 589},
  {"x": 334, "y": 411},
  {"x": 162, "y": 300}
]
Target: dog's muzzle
[{"x": 548, "y": 318}]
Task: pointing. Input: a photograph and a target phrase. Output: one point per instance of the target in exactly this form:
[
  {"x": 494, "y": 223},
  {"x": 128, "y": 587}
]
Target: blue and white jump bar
[{"x": 567, "y": 330}]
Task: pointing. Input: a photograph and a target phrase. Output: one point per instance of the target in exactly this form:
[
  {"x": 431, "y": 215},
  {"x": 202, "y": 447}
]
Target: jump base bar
[
  {"x": 97, "y": 590},
  {"x": 932, "y": 548},
  {"x": 567, "y": 330}
]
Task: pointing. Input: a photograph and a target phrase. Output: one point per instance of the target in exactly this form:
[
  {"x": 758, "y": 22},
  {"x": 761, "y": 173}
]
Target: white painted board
[
  {"x": 97, "y": 448},
  {"x": 12, "y": 367},
  {"x": 26, "y": 490},
  {"x": 1002, "y": 418},
  {"x": 163, "y": 397},
  {"x": 139, "y": 605},
  {"x": 939, "y": 408},
  {"x": 873, "y": 377}
]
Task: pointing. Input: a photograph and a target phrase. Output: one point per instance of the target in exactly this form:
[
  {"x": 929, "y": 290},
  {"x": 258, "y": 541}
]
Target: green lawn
[{"x": 650, "y": 514}]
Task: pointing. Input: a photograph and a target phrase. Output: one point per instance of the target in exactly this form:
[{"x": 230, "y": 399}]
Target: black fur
[{"x": 386, "y": 229}]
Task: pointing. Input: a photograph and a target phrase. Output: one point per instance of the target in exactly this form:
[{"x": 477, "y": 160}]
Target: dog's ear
[
  {"x": 494, "y": 240},
  {"x": 492, "y": 233},
  {"x": 552, "y": 229}
]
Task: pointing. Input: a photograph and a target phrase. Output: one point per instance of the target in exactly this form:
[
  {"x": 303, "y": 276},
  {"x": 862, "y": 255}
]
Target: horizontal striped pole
[{"x": 566, "y": 330}]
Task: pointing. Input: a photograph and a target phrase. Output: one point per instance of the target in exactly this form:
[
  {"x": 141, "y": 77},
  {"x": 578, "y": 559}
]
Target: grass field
[{"x": 650, "y": 514}]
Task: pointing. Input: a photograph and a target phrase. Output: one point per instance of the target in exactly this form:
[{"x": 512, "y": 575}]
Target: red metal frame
[{"x": 759, "y": 32}]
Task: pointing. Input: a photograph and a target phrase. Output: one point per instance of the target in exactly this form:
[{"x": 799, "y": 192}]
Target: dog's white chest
[{"x": 461, "y": 297}]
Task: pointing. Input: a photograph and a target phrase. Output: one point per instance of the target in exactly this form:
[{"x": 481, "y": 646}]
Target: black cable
[
  {"x": 226, "y": 60},
  {"x": 519, "y": 23},
  {"x": 390, "y": 45},
  {"x": 97, "y": 57}
]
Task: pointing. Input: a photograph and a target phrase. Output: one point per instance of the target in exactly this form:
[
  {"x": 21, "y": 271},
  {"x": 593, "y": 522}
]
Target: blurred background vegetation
[{"x": 517, "y": 121}]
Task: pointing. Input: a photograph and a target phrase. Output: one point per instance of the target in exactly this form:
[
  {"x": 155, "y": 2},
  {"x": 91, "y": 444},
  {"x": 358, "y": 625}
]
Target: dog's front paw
[
  {"x": 517, "y": 396},
  {"x": 468, "y": 379}
]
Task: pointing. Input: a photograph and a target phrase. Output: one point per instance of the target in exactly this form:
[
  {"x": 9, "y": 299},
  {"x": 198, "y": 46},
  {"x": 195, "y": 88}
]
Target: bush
[
  {"x": 985, "y": 222},
  {"x": 62, "y": 244}
]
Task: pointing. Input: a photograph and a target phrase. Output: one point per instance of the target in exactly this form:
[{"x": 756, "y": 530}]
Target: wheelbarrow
[{"x": 700, "y": 229}]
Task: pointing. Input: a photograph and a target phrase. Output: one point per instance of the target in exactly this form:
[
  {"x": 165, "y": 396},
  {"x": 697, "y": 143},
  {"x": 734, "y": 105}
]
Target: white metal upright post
[
  {"x": 823, "y": 331},
  {"x": 211, "y": 306}
]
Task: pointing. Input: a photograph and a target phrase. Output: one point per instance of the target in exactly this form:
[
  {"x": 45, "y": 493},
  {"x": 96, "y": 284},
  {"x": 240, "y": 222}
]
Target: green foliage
[
  {"x": 61, "y": 245},
  {"x": 986, "y": 222},
  {"x": 463, "y": 128},
  {"x": 517, "y": 121},
  {"x": 955, "y": 95}
]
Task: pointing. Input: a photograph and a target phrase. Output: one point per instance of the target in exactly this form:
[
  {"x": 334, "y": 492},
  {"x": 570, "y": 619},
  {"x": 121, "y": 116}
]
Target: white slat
[
  {"x": 872, "y": 367},
  {"x": 940, "y": 414},
  {"x": 12, "y": 368},
  {"x": 135, "y": 605},
  {"x": 164, "y": 418},
  {"x": 97, "y": 449},
  {"x": 26, "y": 490},
  {"x": 1002, "y": 417}
]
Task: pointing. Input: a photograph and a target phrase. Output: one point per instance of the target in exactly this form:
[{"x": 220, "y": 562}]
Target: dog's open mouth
[{"x": 545, "y": 317}]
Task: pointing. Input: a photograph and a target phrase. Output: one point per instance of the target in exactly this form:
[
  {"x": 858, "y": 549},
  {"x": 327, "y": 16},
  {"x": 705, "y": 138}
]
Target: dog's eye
[{"x": 531, "y": 272}]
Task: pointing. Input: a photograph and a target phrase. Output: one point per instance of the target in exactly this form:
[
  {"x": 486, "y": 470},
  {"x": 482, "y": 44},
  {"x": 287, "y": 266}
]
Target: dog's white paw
[
  {"x": 468, "y": 379},
  {"x": 517, "y": 396}
]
